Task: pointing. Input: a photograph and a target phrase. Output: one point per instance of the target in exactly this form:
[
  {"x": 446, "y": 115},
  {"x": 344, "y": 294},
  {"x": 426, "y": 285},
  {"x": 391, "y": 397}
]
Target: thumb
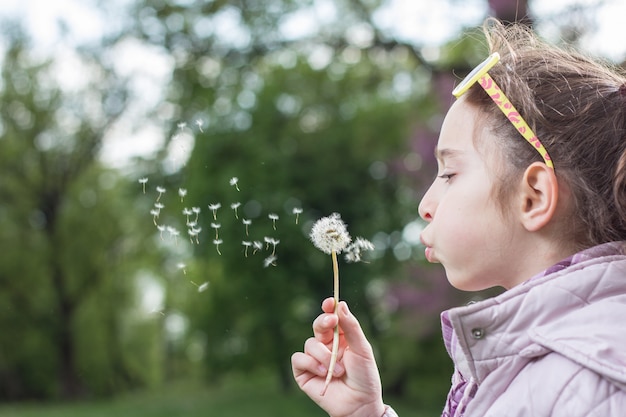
[{"x": 353, "y": 332}]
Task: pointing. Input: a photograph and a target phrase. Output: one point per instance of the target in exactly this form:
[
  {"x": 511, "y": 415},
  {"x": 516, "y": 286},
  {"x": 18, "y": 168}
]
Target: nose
[{"x": 426, "y": 208}]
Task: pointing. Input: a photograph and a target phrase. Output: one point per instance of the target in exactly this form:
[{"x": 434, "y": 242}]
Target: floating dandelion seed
[
  {"x": 174, "y": 233},
  {"x": 161, "y": 230},
  {"x": 216, "y": 226},
  {"x": 143, "y": 182},
  {"x": 214, "y": 207},
  {"x": 257, "y": 246},
  {"x": 217, "y": 243},
  {"x": 235, "y": 206},
  {"x": 203, "y": 287},
  {"x": 182, "y": 193},
  {"x": 196, "y": 211},
  {"x": 273, "y": 242},
  {"x": 297, "y": 211},
  {"x": 194, "y": 233},
  {"x": 182, "y": 266},
  {"x": 199, "y": 123},
  {"x": 330, "y": 235},
  {"x": 187, "y": 213},
  {"x": 182, "y": 125},
  {"x": 191, "y": 224},
  {"x": 247, "y": 223},
  {"x": 273, "y": 217},
  {"x": 234, "y": 181},
  {"x": 246, "y": 245},
  {"x": 155, "y": 215},
  {"x": 158, "y": 206},
  {"x": 270, "y": 260},
  {"x": 353, "y": 251},
  {"x": 161, "y": 191}
]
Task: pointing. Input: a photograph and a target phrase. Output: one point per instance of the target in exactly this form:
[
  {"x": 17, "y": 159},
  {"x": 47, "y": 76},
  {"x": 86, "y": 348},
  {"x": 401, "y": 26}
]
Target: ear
[{"x": 539, "y": 194}]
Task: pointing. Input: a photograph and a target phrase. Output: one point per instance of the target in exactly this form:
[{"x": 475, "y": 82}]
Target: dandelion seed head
[
  {"x": 180, "y": 265},
  {"x": 182, "y": 125},
  {"x": 215, "y": 206},
  {"x": 155, "y": 212},
  {"x": 187, "y": 212},
  {"x": 160, "y": 190},
  {"x": 191, "y": 224},
  {"x": 270, "y": 260},
  {"x": 182, "y": 192},
  {"x": 217, "y": 241},
  {"x": 273, "y": 216},
  {"x": 158, "y": 206},
  {"x": 330, "y": 234},
  {"x": 247, "y": 222},
  {"x": 234, "y": 181},
  {"x": 216, "y": 225},
  {"x": 257, "y": 245},
  {"x": 354, "y": 250},
  {"x": 246, "y": 243},
  {"x": 143, "y": 180},
  {"x": 195, "y": 210},
  {"x": 235, "y": 205}
]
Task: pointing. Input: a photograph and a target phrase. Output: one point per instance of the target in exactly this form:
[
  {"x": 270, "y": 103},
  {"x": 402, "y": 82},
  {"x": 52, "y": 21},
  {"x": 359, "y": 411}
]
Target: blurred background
[{"x": 145, "y": 145}]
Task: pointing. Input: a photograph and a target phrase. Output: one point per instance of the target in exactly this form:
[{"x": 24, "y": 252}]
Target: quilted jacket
[{"x": 554, "y": 346}]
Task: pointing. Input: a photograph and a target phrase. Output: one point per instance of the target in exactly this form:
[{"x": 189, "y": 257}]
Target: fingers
[{"x": 352, "y": 332}]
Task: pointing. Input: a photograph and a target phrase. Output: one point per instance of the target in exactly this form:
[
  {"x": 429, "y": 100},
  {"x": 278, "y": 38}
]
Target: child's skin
[{"x": 469, "y": 233}]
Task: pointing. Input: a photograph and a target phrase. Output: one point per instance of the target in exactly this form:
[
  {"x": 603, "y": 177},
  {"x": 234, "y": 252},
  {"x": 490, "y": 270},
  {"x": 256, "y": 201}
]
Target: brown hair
[{"x": 576, "y": 107}]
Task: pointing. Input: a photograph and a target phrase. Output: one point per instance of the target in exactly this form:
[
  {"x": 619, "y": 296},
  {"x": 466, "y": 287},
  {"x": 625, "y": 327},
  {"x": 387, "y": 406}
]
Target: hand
[{"x": 355, "y": 389}]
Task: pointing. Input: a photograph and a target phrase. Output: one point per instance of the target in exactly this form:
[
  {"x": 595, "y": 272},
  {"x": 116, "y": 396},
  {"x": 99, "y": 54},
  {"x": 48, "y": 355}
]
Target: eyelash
[{"x": 446, "y": 177}]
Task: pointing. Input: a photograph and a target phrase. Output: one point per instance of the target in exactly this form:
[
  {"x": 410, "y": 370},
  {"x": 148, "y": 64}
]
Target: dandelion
[
  {"x": 330, "y": 235},
  {"x": 247, "y": 223},
  {"x": 199, "y": 123},
  {"x": 161, "y": 230},
  {"x": 155, "y": 215},
  {"x": 196, "y": 211},
  {"x": 143, "y": 182},
  {"x": 273, "y": 242},
  {"x": 182, "y": 266},
  {"x": 216, "y": 226},
  {"x": 257, "y": 246},
  {"x": 174, "y": 233},
  {"x": 194, "y": 233},
  {"x": 217, "y": 243},
  {"x": 235, "y": 206},
  {"x": 353, "y": 251},
  {"x": 273, "y": 217},
  {"x": 246, "y": 245},
  {"x": 270, "y": 260},
  {"x": 187, "y": 213},
  {"x": 161, "y": 191},
  {"x": 182, "y": 193},
  {"x": 234, "y": 181},
  {"x": 297, "y": 211},
  {"x": 214, "y": 207},
  {"x": 203, "y": 287}
]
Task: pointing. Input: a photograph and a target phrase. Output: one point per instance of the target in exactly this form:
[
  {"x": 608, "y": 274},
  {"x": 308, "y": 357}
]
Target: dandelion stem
[{"x": 335, "y": 348}]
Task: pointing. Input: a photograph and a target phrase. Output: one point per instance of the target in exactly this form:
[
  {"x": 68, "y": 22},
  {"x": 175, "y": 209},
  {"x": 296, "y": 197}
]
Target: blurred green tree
[{"x": 68, "y": 255}]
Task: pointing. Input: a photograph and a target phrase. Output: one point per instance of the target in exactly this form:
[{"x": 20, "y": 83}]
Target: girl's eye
[{"x": 446, "y": 177}]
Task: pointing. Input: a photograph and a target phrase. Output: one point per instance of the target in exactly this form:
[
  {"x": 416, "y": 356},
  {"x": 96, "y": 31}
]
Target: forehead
[{"x": 462, "y": 132}]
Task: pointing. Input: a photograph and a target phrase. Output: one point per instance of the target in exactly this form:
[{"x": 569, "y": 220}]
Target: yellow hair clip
[{"x": 481, "y": 75}]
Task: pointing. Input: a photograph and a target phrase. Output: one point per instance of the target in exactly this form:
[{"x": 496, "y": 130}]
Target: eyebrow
[{"x": 447, "y": 153}]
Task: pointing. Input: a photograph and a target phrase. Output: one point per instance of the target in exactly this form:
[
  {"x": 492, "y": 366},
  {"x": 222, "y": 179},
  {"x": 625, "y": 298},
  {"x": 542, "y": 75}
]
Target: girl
[{"x": 530, "y": 196}]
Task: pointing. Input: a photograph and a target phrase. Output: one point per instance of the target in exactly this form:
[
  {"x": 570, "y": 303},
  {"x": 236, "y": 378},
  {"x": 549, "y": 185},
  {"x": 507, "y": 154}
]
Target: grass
[{"x": 235, "y": 398}]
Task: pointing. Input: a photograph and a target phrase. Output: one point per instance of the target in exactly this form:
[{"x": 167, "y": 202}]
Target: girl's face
[{"x": 467, "y": 232}]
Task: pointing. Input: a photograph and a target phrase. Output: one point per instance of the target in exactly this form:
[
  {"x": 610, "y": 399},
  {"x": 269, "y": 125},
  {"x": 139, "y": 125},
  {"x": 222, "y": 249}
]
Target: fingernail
[
  {"x": 338, "y": 369},
  {"x": 321, "y": 369},
  {"x": 344, "y": 309}
]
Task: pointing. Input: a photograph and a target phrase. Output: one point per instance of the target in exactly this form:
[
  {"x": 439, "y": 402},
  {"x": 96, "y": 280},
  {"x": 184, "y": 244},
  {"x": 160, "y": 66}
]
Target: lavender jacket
[{"x": 553, "y": 346}]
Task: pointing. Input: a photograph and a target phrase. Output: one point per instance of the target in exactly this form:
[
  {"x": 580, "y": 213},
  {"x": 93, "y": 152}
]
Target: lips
[{"x": 428, "y": 251}]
